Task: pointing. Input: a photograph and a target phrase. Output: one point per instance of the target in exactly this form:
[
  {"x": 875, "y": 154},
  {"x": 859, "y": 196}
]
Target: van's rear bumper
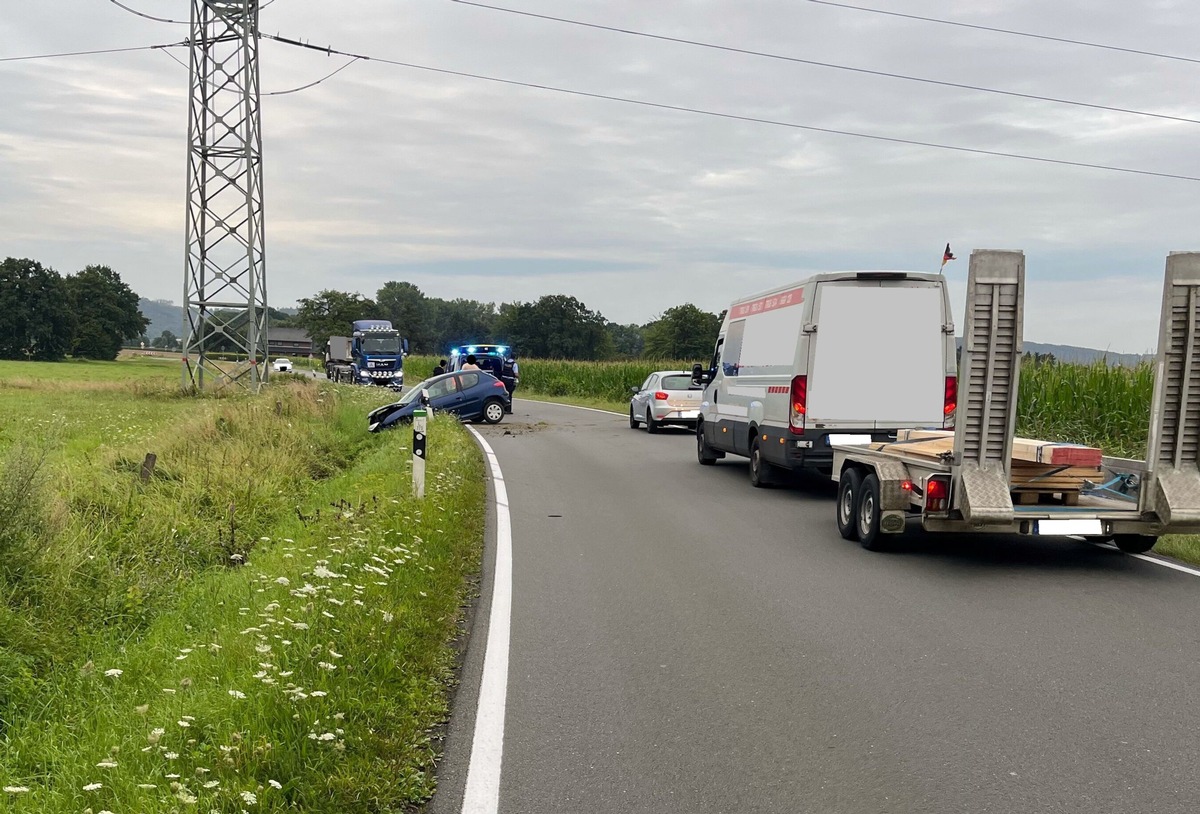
[{"x": 811, "y": 449}]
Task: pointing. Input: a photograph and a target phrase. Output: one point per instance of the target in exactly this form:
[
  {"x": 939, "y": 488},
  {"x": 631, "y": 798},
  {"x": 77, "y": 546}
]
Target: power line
[
  {"x": 834, "y": 66},
  {"x": 314, "y": 84},
  {"x": 1007, "y": 31},
  {"x": 737, "y": 117},
  {"x": 91, "y": 53},
  {"x": 147, "y": 16}
]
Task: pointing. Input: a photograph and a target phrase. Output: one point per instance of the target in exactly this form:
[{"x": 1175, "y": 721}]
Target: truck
[
  {"x": 373, "y": 354},
  {"x": 966, "y": 481},
  {"x": 838, "y": 357}
]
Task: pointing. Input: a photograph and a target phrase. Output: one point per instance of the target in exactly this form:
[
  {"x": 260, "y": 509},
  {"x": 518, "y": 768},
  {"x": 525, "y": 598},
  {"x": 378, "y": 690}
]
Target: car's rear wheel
[
  {"x": 633, "y": 422},
  {"x": 651, "y": 425},
  {"x": 493, "y": 411}
]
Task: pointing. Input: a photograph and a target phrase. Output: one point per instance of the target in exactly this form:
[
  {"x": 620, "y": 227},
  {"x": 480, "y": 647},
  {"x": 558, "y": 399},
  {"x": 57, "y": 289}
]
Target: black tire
[
  {"x": 651, "y": 425},
  {"x": 705, "y": 454},
  {"x": 1134, "y": 543},
  {"x": 849, "y": 489},
  {"x": 493, "y": 411},
  {"x": 867, "y": 516},
  {"x": 633, "y": 422},
  {"x": 760, "y": 470}
]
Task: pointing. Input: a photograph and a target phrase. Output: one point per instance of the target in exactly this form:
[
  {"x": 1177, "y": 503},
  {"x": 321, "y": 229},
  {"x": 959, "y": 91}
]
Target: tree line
[
  {"x": 45, "y": 316},
  {"x": 555, "y": 326}
]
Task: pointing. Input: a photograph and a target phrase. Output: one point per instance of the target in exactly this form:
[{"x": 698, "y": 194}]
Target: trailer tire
[
  {"x": 706, "y": 455},
  {"x": 760, "y": 470},
  {"x": 1134, "y": 543},
  {"x": 867, "y": 516},
  {"x": 849, "y": 489}
]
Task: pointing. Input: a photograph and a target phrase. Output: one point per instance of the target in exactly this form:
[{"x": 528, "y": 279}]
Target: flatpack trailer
[{"x": 965, "y": 482}]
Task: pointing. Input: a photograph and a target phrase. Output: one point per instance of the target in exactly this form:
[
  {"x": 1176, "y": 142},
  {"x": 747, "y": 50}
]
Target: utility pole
[{"x": 225, "y": 278}]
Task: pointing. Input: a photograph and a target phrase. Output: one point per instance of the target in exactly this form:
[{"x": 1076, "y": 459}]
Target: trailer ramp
[
  {"x": 1174, "y": 438},
  {"x": 987, "y": 385}
]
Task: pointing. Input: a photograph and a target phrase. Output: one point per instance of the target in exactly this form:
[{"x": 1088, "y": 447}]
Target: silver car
[{"x": 666, "y": 397}]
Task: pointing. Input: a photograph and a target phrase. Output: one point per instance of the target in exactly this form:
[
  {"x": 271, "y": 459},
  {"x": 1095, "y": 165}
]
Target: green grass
[{"x": 274, "y": 587}]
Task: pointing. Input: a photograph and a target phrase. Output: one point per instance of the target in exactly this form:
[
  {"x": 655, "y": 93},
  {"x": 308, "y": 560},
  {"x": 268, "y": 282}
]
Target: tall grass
[{"x": 267, "y": 617}]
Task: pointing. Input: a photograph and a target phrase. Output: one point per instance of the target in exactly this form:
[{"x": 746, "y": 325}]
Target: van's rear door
[{"x": 878, "y": 357}]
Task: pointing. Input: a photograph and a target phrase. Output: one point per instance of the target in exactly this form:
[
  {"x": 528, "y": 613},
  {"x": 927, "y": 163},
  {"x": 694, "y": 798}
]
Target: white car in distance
[
  {"x": 666, "y": 397},
  {"x": 282, "y": 365}
]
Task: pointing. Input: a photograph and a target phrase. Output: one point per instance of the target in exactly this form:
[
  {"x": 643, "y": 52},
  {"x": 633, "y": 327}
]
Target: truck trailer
[{"x": 966, "y": 481}]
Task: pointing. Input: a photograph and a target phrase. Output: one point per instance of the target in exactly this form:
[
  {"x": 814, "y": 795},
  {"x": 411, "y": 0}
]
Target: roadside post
[{"x": 418, "y": 448}]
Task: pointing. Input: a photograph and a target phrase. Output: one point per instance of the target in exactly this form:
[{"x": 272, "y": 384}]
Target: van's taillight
[
  {"x": 661, "y": 396},
  {"x": 951, "y": 401},
  {"x": 799, "y": 403},
  {"x": 937, "y": 493}
]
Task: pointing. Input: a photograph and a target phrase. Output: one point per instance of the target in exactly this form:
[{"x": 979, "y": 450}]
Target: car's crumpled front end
[{"x": 381, "y": 418}]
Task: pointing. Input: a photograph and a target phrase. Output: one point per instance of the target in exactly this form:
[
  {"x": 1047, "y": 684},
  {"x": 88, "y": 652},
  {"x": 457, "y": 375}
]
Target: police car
[{"x": 499, "y": 360}]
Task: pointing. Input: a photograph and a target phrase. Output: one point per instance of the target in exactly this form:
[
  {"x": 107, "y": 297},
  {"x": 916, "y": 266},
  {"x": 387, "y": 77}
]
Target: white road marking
[
  {"x": 1157, "y": 561},
  {"x": 482, "y": 795},
  {"x": 574, "y": 407}
]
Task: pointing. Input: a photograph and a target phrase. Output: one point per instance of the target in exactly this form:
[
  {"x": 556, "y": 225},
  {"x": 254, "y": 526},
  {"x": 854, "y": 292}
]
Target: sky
[{"x": 477, "y": 189}]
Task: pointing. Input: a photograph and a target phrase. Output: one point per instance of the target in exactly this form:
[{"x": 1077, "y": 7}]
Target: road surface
[{"x": 683, "y": 642}]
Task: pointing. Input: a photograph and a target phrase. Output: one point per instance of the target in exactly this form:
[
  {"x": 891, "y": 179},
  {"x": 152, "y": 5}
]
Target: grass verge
[{"x": 264, "y": 624}]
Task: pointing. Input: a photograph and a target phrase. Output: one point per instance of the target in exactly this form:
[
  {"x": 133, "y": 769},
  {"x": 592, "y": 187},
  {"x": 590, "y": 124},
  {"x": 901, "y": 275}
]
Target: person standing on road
[
  {"x": 470, "y": 365},
  {"x": 440, "y": 368}
]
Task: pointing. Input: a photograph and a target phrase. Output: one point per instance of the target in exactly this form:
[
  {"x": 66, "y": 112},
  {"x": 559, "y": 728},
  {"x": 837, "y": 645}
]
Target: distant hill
[
  {"x": 1078, "y": 355},
  {"x": 164, "y": 315}
]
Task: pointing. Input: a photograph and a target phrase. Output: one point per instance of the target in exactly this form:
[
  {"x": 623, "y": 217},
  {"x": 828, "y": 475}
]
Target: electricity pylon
[{"x": 225, "y": 278}]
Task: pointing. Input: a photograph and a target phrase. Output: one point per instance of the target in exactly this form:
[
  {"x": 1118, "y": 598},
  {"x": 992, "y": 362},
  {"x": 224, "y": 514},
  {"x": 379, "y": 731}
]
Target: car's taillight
[
  {"x": 937, "y": 493},
  {"x": 951, "y": 400},
  {"x": 799, "y": 403},
  {"x": 661, "y": 396},
  {"x": 497, "y": 384}
]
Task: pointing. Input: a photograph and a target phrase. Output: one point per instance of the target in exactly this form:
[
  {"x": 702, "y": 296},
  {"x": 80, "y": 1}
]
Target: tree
[
  {"x": 106, "y": 313},
  {"x": 628, "y": 341},
  {"x": 36, "y": 321},
  {"x": 682, "y": 332},
  {"x": 555, "y": 327},
  {"x": 460, "y": 322},
  {"x": 330, "y": 314},
  {"x": 166, "y": 340},
  {"x": 408, "y": 309}
]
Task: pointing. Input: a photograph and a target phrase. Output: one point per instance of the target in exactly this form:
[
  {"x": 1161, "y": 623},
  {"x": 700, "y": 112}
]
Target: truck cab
[{"x": 372, "y": 354}]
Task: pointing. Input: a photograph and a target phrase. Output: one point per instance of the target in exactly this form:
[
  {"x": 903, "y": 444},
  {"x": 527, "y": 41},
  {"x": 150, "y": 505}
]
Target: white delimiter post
[{"x": 418, "y": 476}]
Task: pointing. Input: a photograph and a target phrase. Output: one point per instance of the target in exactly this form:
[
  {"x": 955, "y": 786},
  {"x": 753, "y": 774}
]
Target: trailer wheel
[
  {"x": 868, "y": 514},
  {"x": 760, "y": 470},
  {"x": 1134, "y": 543},
  {"x": 849, "y": 488},
  {"x": 705, "y": 454}
]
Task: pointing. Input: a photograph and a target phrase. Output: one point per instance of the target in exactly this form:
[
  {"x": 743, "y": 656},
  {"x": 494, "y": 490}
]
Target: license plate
[
  {"x": 846, "y": 438},
  {"x": 1059, "y": 528}
]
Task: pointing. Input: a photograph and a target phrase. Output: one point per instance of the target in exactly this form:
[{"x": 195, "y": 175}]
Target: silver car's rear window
[{"x": 677, "y": 383}]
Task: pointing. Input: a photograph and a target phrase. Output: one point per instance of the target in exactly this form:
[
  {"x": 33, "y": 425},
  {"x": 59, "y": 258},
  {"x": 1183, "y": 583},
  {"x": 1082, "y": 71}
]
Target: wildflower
[
  {"x": 263, "y": 648},
  {"x": 324, "y": 665},
  {"x": 184, "y": 724},
  {"x": 237, "y": 694},
  {"x": 334, "y": 654},
  {"x": 156, "y": 735},
  {"x": 327, "y": 736},
  {"x": 113, "y": 673},
  {"x": 106, "y": 764},
  {"x": 169, "y": 690},
  {"x": 212, "y": 784},
  {"x": 93, "y": 786},
  {"x": 16, "y": 789},
  {"x": 171, "y": 756},
  {"x": 237, "y": 557},
  {"x": 147, "y": 786},
  {"x": 319, "y": 693},
  {"x": 387, "y": 616},
  {"x": 142, "y": 710},
  {"x": 275, "y": 784},
  {"x": 283, "y": 581},
  {"x": 250, "y": 797}
]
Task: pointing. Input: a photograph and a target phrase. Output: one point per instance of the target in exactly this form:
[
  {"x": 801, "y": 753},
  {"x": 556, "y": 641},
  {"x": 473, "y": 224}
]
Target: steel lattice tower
[{"x": 225, "y": 279}]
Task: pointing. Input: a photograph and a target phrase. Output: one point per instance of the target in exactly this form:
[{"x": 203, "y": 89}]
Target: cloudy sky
[{"x": 477, "y": 189}]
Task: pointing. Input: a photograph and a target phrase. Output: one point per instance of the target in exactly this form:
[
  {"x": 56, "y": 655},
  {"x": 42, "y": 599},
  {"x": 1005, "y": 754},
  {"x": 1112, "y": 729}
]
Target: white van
[{"x": 846, "y": 357}]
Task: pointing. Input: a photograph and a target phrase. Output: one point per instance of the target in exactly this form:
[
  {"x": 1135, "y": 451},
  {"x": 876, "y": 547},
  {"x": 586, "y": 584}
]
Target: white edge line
[
  {"x": 1156, "y": 560},
  {"x": 482, "y": 794}
]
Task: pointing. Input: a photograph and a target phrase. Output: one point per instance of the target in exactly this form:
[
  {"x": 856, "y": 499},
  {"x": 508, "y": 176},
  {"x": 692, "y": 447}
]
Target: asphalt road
[{"x": 683, "y": 642}]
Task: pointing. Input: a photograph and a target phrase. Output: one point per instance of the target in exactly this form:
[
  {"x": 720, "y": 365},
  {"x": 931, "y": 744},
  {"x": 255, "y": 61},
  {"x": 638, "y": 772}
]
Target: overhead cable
[
  {"x": 91, "y": 53},
  {"x": 834, "y": 66},
  {"x": 1007, "y": 31},
  {"x": 147, "y": 16},
  {"x": 737, "y": 117}
]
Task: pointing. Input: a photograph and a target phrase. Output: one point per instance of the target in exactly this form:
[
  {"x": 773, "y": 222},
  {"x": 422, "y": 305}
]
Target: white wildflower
[
  {"x": 16, "y": 789},
  {"x": 283, "y": 581},
  {"x": 327, "y": 736},
  {"x": 250, "y": 797},
  {"x": 212, "y": 784},
  {"x": 237, "y": 694},
  {"x": 147, "y": 786},
  {"x": 319, "y": 693},
  {"x": 324, "y": 665},
  {"x": 171, "y": 756},
  {"x": 93, "y": 786},
  {"x": 169, "y": 690},
  {"x": 275, "y": 784},
  {"x": 106, "y": 764},
  {"x": 113, "y": 673}
]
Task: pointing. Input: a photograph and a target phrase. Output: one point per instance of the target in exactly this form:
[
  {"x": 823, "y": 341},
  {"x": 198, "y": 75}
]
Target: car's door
[
  {"x": 470, "y": 401},
  {"x": 444, "y": 395},
  {"x": 642, "y": 396}
]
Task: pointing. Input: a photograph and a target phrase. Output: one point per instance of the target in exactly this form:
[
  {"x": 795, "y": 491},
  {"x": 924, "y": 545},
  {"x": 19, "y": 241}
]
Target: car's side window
[
  {"x": 646, "y": 385},
  {"x": 441, "y": 388},
  {"x": 468, "y": 380}
]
